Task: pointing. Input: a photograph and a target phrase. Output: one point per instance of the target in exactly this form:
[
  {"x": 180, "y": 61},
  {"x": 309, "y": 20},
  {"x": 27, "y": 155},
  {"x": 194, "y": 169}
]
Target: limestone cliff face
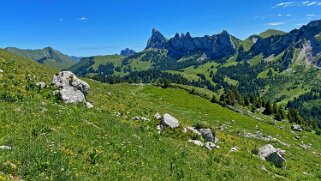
[{"x": 214, "y": 47}]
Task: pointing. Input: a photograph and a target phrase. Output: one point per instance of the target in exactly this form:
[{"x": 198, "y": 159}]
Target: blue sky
[{"x": 100, "y": 27}]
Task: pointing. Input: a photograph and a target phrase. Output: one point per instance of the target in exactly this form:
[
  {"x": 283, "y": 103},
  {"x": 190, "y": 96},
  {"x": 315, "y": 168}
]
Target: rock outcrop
[
  {"x": 211, "y": 47},
  {"x": 71, "y": 89},
  {"x": 273, "y": 155}
]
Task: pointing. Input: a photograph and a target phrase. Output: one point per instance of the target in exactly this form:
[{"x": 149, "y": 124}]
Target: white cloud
[
  {"x": 311, "y": 3},
  {"x": 279, "y": 15},
  {"x": 285, "y": 4},
  {"x": 298, "y": 3},
  {"x": 82, "y": 18},
  {"x": 288, "y": 15},
  {"x": 276, "y": 23}
]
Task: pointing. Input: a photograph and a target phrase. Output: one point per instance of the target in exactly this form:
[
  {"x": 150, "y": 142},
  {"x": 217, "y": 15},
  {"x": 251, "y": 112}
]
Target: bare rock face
[
  {"x": 71, "y": 89},
  {"x": 169, "y": 121},
  {"x": 273, "y": 155},
  {"x": 212, "y": 47}
]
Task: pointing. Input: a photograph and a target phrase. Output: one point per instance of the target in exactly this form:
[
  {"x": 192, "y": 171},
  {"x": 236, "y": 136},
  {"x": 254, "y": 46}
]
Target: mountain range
[{"x": 276, "y": 65}]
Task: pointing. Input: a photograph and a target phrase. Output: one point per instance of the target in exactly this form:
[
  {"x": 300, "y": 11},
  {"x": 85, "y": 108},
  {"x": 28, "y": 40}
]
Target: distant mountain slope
[
  {"x": 271, "y": 32},
  {"x": 47, "y": 56},
  {"x": 250, "y": 41}
]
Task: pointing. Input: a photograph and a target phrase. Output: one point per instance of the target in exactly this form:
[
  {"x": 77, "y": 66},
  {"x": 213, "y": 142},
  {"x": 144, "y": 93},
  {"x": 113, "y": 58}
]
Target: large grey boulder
[
  {"x": 296, "y": 127},
  {"x": 169, "y": 121},
  {"x": 68, "y": 79},
  {"x": 273, "y": 155},
  {"x": 207, "y": 134},
  {"x": 71, "y": 89}
]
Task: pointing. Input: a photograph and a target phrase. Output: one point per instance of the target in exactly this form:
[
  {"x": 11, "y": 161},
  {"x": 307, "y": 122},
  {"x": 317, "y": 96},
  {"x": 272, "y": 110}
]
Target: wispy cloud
[
  {"x": 297, "y": 3},
  {"x": 285, "y": 4},
  {"x": 82, "y": 18},
  {"x": 275, "y": 23}
]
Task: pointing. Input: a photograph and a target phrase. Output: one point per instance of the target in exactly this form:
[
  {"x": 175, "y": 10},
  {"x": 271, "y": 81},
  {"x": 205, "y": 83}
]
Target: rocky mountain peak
[
  {"x": 157, "y": 40},
  {"x": 214, "y": 47},
  {"x": 127, "y": 52}
]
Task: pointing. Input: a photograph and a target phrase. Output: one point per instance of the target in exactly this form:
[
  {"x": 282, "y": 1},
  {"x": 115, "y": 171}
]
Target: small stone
[
  {"x": 41, "y": 85},
  {"x": 187, "y": 129},
  {"x": 5, "y": 147},
  {"x": 196, "y": 142},
  {"x": 297, "y": 128},
  {"x": 89, "y": 105},
  {"x": 234, "y": 149},
  {"x": 140, "y": 118},
  {"x": 211, "y": 146},
  {"x": 159, "y": 128},
  {"x": 157, "y": 116},
  {"x": 1, "y": 71}
]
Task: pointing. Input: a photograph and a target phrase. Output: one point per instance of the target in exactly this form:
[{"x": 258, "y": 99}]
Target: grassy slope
[
  {"x": 56, "y": 144},
  {"x": 271, "y": 32},
  {"x": 56, "y": 59}
]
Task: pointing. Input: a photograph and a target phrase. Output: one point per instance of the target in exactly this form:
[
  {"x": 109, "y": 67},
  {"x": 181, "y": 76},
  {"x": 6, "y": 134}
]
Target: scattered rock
[
  {"x": 207, "y": 134},
  {"x": 264, "y": 168},
  {"x": 157, "y": 116},
  {"x": 196, "y": 142},
  {"x": 41, "y": 85},
  {"x": 89, "y": 105},
  {"x": 260, "y": 136},
  {"x": 273, "y": 155},
  {"x": 306, "y": 147},
  {"x": 234, "y": 149},
  {"x": 296, "y": 127},
  {"x": 187, "y": 129},
  {"x": 159, "y": 128},
  {"x": 211, "y": 146},
  {"x": 140, "y": 118},
  {"x": 169, "y": 121},
  {"x": 5, "y": 147}
]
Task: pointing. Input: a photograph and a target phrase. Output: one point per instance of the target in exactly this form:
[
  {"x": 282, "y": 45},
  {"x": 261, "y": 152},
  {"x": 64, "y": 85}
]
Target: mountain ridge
[{"x": 47, "y": 55}]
